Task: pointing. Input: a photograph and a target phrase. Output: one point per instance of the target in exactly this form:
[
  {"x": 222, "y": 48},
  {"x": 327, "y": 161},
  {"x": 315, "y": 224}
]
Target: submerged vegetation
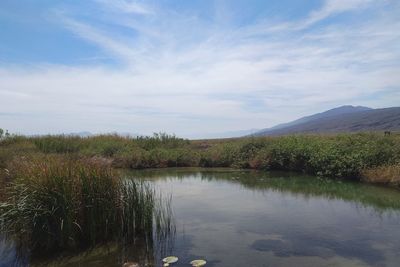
[
  {"x": 57, "y": 202},
  {"x": 370, "y": 157}
]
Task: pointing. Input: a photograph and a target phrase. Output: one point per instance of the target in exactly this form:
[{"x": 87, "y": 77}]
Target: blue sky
[{"x": 191, "y": 67}]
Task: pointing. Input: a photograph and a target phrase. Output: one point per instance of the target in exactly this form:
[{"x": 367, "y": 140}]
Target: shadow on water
[
  {"x": 315, "y": 246},
  {"x": 144, "y": 250}
]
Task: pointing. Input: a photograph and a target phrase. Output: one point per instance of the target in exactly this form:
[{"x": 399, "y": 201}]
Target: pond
[{"x": 248, "y": 218}]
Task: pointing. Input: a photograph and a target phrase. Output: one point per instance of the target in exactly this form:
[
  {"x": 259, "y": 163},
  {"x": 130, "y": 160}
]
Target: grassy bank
[
  {"x": 57, "y": 202},
  {"x": 371, "y": 157}
]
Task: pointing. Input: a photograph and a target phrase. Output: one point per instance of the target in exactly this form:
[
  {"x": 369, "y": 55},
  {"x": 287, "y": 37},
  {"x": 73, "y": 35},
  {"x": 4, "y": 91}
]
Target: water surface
[{"x": 247, "y": 218}]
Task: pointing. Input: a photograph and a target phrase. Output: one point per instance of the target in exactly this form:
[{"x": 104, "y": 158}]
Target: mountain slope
[
  {"x": 343, "y": 119},
  {"x": 332, "y": 112}
]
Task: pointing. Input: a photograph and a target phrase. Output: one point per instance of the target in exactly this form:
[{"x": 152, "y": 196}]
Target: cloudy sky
[{"x": 191, "y": 67}]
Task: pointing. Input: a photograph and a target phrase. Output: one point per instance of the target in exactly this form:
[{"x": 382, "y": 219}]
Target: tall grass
[
  {"x": 387, "y": 174},
  {"x": 59, "y": 203},
  {"x": 342, "y": 156},
  {"x": 105, "y": 145},
  {"x": 345, "y": 155}
]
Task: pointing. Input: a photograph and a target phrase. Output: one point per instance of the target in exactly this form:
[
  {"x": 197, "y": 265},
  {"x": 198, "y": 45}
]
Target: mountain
[
  {"x": 341, "y": 119},
  {"x": 328, "y": 113}
]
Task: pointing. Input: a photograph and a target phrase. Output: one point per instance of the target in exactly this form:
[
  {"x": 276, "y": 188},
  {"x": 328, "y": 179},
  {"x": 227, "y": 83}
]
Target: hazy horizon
[{"x": 192, "y": 68}]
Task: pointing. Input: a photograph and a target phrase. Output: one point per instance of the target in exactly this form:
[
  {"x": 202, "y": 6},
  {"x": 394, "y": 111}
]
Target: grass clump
[
  {"x": 387, "y": 174},
  {"x": 56, "y": 203}
]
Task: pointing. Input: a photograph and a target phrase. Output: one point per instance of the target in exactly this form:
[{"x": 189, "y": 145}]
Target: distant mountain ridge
[
  {"x": 328, "y": 113},
  {"x": 341, "y": 119}
]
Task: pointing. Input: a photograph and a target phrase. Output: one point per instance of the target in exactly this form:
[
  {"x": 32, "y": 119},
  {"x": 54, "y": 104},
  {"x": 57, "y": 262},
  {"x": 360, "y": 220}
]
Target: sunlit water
[{"x": 245, "y": 218}]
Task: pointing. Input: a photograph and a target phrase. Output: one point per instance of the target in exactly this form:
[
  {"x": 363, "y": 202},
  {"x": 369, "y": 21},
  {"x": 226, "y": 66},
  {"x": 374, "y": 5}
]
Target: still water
[{"x": 246, "y": 218}]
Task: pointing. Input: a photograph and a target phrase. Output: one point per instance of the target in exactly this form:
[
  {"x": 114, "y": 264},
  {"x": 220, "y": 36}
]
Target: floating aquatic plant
[
  {"x": 198, "y": 263},
  {"x": 169, "y": 260}
]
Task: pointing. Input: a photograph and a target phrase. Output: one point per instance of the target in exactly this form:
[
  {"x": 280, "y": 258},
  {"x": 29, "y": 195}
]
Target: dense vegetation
[
  {"x": 58, "y": 202},
  {"x": 59, "y": 192},
  {"x": 369, "y": 156}
]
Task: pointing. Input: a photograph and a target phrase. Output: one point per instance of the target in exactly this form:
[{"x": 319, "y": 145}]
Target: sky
[{"x": 194, "y": 68}]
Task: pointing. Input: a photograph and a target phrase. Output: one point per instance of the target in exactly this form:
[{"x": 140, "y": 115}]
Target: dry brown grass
[{"x": 389, "y": 174}]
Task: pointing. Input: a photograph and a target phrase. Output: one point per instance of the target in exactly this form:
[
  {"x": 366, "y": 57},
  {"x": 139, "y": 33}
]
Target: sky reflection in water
[{"x": 244, "y": 218}]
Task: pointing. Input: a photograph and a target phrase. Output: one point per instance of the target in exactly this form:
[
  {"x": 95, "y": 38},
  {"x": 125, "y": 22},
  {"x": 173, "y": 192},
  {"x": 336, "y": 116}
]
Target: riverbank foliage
[
  {"x": 362, "y": 156},
  {"x": 61, "y": 202}
]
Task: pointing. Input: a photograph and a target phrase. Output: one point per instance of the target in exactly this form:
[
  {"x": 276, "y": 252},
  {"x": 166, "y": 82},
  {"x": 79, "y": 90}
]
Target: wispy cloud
[
  {"x": 127, "y": 6},
  {"x": 334, "y": 7},
  {"x": 329, "y": 8},
  {"x": 109, "y": 43}
]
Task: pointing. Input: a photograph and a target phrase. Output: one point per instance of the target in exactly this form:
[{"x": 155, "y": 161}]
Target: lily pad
[
  {"x": 170, "y": 259},
  {"x": 198, "y": 263}
]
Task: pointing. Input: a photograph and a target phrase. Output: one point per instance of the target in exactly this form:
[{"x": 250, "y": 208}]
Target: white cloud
[{"x": 185, "y": 79}]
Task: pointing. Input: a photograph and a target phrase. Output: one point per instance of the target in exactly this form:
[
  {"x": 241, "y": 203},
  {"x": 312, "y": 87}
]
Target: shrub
[{"x": 343, "y": 155}]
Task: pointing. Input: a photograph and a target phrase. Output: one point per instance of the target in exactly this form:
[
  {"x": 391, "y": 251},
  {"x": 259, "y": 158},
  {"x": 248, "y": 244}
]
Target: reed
[
  {"x": 387, "y": 174},
  {"x": 58, "y": 202},
  {"x": 345, "y": 156}
]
